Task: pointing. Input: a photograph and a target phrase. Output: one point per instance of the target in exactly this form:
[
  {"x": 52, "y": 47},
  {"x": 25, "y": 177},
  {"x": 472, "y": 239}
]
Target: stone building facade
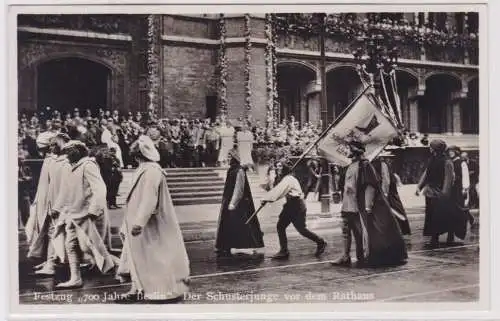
[{"x": 100, "y": 61}]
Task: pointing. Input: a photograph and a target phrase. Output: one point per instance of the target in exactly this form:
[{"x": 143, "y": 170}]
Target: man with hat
[
  {"x": 154, "y": 254},
  {"x": 237, "y": 206},
  {"x": 366, "y": 214},
  {"x": 294, "y": 211},
  {"x": 436, "y": 184},
  {"x": 58, "y": 171}
]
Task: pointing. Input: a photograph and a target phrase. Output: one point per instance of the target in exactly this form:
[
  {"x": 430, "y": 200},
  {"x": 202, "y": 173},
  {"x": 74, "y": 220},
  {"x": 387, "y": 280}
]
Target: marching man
[
  {"x": 83, "y": 221},
  {"x": 294, "y": 212},
  {"x": 154, "y": 254}
]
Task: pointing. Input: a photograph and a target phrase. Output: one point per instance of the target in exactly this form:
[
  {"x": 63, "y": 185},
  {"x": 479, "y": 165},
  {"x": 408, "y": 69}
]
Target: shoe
[
  {"x": 320, "y": 249},
  {"x": 281, "y": 255},
  {"x": 71, "y": 284},
  {"x": 343, "y": 261},
  {"x": 360, "y": 264}
]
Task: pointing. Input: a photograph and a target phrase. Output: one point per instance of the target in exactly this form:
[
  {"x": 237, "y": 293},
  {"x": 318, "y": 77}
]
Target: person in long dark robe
[
  {"x": 436, "y": 184},
  {"x": 390, "y": 190},
  {"x": 237, "y": 206},
  {"x": 366, "y": 214},
  {"x": 459, "y": 195}
]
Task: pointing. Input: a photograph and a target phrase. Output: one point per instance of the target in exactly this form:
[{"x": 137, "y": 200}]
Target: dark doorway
[
  {"x": 211, "y": 105},
  {"x": 68, "y": 83}
]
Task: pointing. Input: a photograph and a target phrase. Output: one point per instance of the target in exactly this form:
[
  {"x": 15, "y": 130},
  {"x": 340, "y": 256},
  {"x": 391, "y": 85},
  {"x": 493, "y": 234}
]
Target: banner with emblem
[{"x": 363, "y": 121}]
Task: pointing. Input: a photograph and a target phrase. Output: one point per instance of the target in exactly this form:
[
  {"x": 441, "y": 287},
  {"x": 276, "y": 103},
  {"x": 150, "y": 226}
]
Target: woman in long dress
[
  {"x": 227, "y": 141},
  {"x": 154, "y": 254},
  {"x": 245, "y": 146}
]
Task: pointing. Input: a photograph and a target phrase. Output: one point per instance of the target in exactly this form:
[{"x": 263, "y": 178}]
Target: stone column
[
  {"x": 414, "y": 96},
  {"x": 455, "y": 112},
  {"x": 313, "y": 101},
  {"x": 154, "y": 63}
]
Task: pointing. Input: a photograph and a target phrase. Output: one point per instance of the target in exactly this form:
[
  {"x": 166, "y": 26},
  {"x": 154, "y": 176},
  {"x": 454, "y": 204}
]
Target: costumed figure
[
  {"x": 390, "y": 190},
  {"x": 82, "y": 218},
  {"x": 366, "y": 213},
  {"x": 237, "y": 206},
  {"x": 294, "y": 212},
  {"x": 226, "y": 133},
  {"x": 154, "y": 254},
  {"x": 436, "y": 185},
  {"x": 245, "y": 145}
]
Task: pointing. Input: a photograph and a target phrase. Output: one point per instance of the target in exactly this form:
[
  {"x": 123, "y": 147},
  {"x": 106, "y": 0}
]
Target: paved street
[{"x": 443, "y": 274}]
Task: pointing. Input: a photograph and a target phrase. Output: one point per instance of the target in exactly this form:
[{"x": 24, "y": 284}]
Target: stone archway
[
  {"x": 70, "y": 82},
  {"x": 470, "y": 108},
  {"x": 435, "y": 106},
  {"x": 294, "y": 82},
  {"x": 407, "y": 83},
  {"x": 342, "y": 87}
]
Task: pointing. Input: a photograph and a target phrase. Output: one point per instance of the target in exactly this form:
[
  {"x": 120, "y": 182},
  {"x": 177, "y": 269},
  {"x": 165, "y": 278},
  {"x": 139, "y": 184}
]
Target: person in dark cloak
[
  {"x": 436, "y": 185},
  {"x": 390, "y": 190},
  {"x": 237, "y": 206},
  {"x": 366, "y": 214}
]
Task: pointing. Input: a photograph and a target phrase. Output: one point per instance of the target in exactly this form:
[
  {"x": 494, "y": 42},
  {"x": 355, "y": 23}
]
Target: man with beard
[
  {"x": 436, "y": 185},
  {"x": 83, "y": 220},
  {"x": 366, "y": 214},
  {"x": 294, "y": 212},
  {"x": 237, "y": 206}
]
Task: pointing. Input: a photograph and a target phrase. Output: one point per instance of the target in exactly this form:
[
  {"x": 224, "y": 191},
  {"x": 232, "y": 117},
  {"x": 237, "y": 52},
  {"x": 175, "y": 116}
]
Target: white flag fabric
[{"x": 363, "y": 122}]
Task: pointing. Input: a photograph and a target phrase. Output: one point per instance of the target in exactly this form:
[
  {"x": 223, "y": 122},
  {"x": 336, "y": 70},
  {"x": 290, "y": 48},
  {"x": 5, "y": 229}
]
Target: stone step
[
  {"x": 195, "y": 189},
  {"x": 192, "y": 174},
  {"x": 213, "y": 184},
  {"x": 197, "y": 201},
  {"x": 200, "y": 180},
  {"x": 181, "y": 195}
]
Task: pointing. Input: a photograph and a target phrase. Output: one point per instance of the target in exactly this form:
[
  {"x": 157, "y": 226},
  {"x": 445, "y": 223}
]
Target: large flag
[{"x": 364, "y": 122}]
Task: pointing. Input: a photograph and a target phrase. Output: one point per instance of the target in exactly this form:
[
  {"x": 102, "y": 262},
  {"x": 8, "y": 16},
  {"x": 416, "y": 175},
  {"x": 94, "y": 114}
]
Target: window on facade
[
  {"x": 459, "y": 22},
  {"x": 391, "y": 16},
  {"x": 441, "y": 20},
  {"x": 473, "y": 21},
  {"x": 421, "y": 18}
]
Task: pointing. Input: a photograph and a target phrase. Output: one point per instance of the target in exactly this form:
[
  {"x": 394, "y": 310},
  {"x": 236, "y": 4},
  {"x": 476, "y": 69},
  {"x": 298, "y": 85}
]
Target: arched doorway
[
  {"x": 342, "y": 87},
  {"x": 68, "y": 83},
  {"x": 407, "y": 86},
  {"x": 434, "y": 106},
  {"x": 293, "y": 81},
  {"x": 470, "y": 109}
]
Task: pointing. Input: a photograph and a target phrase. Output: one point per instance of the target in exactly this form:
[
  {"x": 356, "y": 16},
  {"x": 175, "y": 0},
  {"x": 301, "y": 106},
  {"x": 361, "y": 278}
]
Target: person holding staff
[{"x": 293, "y": 212}]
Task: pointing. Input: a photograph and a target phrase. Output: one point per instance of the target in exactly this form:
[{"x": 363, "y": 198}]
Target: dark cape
[
  {"x": 383, "y": 242},
  {"x": 393, "y": 196},
  {"x": 232, "y": 231},
  {"x": 441, "y": 214}
]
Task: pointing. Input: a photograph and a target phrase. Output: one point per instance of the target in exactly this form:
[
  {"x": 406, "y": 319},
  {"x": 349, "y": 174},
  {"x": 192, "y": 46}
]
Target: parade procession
[{"x": 159, "y": 162}]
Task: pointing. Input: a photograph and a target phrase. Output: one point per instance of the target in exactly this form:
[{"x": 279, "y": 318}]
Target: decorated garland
[
  {"x": 274, "y": 61},
  {"x": 153, "y": 63},
  {"x": 222, "y": 67},
  {"x": 269, "y": 72},
  {"x": 248, "y": 52},
  {"x": 355, "y": 29}
]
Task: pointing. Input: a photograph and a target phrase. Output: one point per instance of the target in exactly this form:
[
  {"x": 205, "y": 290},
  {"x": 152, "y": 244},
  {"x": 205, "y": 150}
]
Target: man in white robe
[
  {"x": 154, "y": 254},
  {"x": 83, "y": 222},
  {"x": 58, "y": 170}
]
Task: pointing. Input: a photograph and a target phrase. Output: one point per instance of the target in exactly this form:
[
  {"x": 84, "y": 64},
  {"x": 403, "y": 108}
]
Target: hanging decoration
[
  {"x": 153, "y": 64},
  {"x": 274, "y": 60},
  {"x": 248, "y": 52},
  {"x": 222, "y": 67},
  {"x": 269, "y": 72}
]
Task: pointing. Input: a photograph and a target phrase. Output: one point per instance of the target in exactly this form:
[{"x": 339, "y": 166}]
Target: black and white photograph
[{"x": 326, "y": 156}]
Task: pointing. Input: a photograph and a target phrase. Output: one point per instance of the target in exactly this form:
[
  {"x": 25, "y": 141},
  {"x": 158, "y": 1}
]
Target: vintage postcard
[{"x": 248, "y": 158}]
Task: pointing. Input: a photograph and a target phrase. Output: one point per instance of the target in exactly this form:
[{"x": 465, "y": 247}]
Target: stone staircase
[{"x": 192, "y": 186}]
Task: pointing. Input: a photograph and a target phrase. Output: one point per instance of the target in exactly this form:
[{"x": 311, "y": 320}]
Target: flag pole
[{"x": 320, "y": 137}]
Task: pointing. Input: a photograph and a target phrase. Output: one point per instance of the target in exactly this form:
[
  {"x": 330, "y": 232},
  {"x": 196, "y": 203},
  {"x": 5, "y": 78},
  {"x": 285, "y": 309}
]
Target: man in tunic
[
  {"x": 293, "y": 212},
  {"x": 436, "y": 185},
  {"x": 212, "y": 143},
  {"x": 82, "y": 217},
  {"x": 154, "y": 254},
  {"x": 237, "y": 206},
  {"x": 366, "y": 214}
]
